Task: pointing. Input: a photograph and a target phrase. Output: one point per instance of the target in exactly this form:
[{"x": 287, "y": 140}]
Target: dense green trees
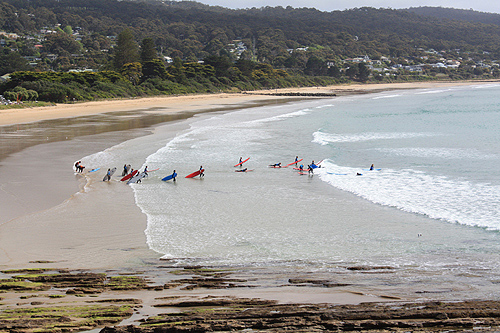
[
  {"x": 127, "y": 50},
  {"x": 11, "y": 61},
  {"x": 193, "y": 31},
  {"x": 151, "y": 79},
  {"x": 148, "y": 50},
  {"x": 21, "y": 94},
  {"x": 277, "y": 47},
  {"x": 61, "y": 44}
]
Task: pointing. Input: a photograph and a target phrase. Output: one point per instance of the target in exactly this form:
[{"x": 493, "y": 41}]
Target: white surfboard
[{"x": 136, "y": 178}]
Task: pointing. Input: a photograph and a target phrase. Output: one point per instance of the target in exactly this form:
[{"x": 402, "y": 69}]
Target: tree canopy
[{"x": 127, "y": 50}]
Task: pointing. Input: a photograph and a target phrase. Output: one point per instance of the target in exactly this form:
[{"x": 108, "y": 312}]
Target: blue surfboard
[
  {"x": 94, "y": 170},
  {"x": 170, "y": 177},
  {"x": 372, "y": 169}
]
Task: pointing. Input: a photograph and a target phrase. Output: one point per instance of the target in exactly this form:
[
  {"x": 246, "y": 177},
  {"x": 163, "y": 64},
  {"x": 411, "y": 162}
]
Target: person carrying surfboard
[
  {"x": 310, "y": 169},
  {"x": 174, "y": 174},
  {"x": 201, "y": 171},
  {"x": 371, "y": 167},
  {"x": 108, "y": 175}
]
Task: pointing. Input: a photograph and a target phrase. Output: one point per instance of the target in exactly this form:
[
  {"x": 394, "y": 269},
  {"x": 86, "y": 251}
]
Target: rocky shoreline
[
  {"x": 54, "y": 300},
  {"x": 221, "y": 315}
]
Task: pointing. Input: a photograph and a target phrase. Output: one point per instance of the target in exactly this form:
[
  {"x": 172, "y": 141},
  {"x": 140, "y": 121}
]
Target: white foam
[
  {"x": 452, "y": 200},
  {"x": 282, "y": 116},
  {"x": 326, "y": 138},
  {"x": 433, "y": 92},
  {"x": 386, "y": 96},
  {"x": 444, "y": 153}
]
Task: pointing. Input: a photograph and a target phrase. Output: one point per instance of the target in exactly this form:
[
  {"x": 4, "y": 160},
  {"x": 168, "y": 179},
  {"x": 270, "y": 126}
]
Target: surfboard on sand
[
  {"x": 242, "y": 162},
  {"x": 194, "y": 174},
  {"x": 286, "y": 166},
  {"x": 170, "y": 177},
  {"x": 130, "y": 175},
  {"x": 108, "y": 177},
  {"x": 136, "y": 178}
]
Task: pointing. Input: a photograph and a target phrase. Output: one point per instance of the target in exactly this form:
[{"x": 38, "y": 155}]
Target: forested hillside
[
  {"x": 233, "y": 49},
  {"x": 457, "y": 14}
]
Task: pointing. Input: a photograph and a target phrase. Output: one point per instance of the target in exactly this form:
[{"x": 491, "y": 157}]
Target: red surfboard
[
  {"x": 130, "y": 175},
  {"x": 194, "y": 174},
  {"x": 242, "y": 162},
  {"x": 293, "y": 163}
]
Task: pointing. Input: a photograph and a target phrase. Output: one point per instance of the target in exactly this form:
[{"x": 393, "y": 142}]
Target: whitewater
[{"x": 429, "y": 211}]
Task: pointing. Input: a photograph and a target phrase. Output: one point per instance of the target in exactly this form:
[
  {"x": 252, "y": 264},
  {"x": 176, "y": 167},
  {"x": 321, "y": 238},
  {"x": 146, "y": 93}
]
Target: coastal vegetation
[{"x": 64, "y": 51}]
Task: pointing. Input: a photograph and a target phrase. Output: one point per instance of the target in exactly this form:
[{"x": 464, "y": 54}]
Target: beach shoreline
[
  {"x": 75, "y": 232},
  {"x": 198, "y": 102},
  {"x": 20, "y": 196}
]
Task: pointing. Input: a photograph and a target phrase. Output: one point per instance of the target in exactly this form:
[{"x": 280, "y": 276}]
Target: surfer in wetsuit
[
  {"x": 108, "y": 175},
  {"x": 173, "y": 177},
  {"x": 242, "y": 170},
  {"x": 310, "y": 169},
  {"x": 201, "y": 171},
  {"x": 146, "y": 170},
  {"x": 371, "y": 167},
  {"x": 79, "y": 167},
  {"x": 125, "y": 171},
  {"x": 241, "y": 160},
  {"x": 296, "y": 159},
  {"x": 301, "y": 167},
  {"x": 277, "y": 165}
]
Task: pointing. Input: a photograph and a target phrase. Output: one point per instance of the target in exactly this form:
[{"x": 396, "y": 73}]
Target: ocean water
[{"x": 427, "y": 222}]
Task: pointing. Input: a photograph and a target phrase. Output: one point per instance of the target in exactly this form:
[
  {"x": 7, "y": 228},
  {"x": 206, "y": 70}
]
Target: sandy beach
[
  {"x": 54, "y": 218},
  {"x": 24, "y": 159}
]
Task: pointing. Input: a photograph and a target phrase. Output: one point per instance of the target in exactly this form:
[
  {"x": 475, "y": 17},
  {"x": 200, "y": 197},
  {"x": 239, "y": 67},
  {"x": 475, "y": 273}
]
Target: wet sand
[{"x": 52, "y": 217}]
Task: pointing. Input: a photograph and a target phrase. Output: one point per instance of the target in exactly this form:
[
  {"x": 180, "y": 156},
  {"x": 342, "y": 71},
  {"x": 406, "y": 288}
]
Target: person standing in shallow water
[
  {"x": 173, "y": 176},
  {"x": 201, "y": 171}
]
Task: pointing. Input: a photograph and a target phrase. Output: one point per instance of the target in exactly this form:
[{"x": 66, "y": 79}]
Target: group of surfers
[
  {"x": 128, "y": 170},
  {"x": 310, "y": 167}
]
